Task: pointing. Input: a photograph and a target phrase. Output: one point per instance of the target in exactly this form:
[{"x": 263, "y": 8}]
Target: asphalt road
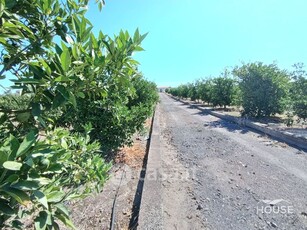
[{"x": 218, "y": 175}]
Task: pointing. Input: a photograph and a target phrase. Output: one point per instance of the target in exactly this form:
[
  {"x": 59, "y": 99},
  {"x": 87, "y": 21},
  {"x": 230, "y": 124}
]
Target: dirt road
[{"x": 218, "y": 175}]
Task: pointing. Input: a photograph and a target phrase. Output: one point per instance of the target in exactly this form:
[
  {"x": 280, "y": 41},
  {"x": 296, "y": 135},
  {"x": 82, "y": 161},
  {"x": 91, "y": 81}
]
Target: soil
[
  {"x": 218, "y": 175},
  {"x": 95, "y": 211}
]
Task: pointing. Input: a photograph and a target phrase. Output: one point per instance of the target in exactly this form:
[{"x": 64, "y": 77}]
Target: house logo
[{"x": 277, "y": 206}]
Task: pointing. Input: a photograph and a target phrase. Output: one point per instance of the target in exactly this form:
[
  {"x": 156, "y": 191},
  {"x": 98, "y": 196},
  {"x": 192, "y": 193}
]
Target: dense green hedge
[
  {"x": 116, "y": 118},
  {"x": 262, "y": 90},
  {"x": 218, "y": 91}
]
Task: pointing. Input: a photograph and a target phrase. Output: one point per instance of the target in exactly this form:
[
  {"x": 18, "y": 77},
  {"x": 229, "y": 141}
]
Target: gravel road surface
[{"x": 218, "y": 175}]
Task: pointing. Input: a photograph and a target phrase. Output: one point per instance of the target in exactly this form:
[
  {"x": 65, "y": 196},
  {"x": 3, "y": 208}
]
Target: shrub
[
  {"x": 298, "y": 91},
  {"x": 222, "y": 91},
  {"x": 38, "y": 176},
  {"x": 264, "y": 89},
  {"x": 116, "y": 118},
  {"x": 192, "y": 92},
  {"x": 299, "y": 97}
]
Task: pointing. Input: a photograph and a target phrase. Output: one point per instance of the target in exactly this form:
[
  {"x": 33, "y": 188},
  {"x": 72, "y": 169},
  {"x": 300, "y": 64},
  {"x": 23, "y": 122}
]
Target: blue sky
[{"x": 191, "y": 39}]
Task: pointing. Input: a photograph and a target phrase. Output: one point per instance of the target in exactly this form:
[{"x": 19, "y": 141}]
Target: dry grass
[{"x": 134, "y": 155}]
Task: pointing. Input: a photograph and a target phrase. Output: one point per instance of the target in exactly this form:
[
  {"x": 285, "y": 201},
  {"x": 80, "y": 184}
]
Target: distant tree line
[{"x": 262, "y": 90}]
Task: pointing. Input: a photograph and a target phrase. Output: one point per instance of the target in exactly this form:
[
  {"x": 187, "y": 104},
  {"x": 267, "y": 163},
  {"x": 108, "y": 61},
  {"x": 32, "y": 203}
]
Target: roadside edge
[
  {"x": 285, "y": 137},
  {"x": 150, "y": 215}
]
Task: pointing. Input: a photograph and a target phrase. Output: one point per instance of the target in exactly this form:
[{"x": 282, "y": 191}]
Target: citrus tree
[
  {"x": 192, "y": 92},
  {"x": 263, "y": 88},
  {"x": 205, "y": 90},
  {"x": 222, "y": 91},
  {"x": 298, "y": 91},
  {"x": 60, "y": 67}
]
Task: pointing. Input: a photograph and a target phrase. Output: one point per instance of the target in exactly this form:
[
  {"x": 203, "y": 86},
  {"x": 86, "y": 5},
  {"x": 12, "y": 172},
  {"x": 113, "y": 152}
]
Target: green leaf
[
  {"x": 58, "y": 100},
  {"x": 63, "y": 91},
  {"x": 20, "y": 196},
  {"x": 65, "y": 60},
  {"x": 65, "y": 220},
  {"x": 62, "y": 209},
  {"x": 55, "y": 226},
  {"x": 40, "y": 222},
  {"x": 58, "y": 49},
  {"x": 81, "y": 94},
  {"x": 14, "y": 145},
  {"x": 25, "y": 28},
  {"x": 64, "y": 143},
  {"x": 62, "y": 79},
  {"x": 46, "y": 66},
  {"x": 12, "y": 178},
  {"x": 143, "y": 37},
  {"x": 26, "y": 144},
  {"x": 2, "y": 7},
  {"x": 41, "y": 198},
  {"x": 29, "y": 162},
  {"x": 3, "y": 118},
  {"x": 36, "y": 109},
  {"x": 43, "y": 180},
  {"x": 26, "y": 185},
  {"x": 94, "y": 41},
  {"x": 5, "y": 208},
  {"x": 55, "y": 196},
  {"x": 12, "y": 165},
  {"x": 138, "y": 48},
  {"x": 23, "y": 117},
  {"x": 100, "y": 4},
  {"x": 46, "y": 5},
  {"x": 8, "y": 26},
  {"x": 55, "y": 168},
  {"x": 16, "y": 224},
  {"x": 27, "y": 81},
  {"x": 41, "y": 121},
  {"x": 136, "y": 36},
  {"x": 72, "y": 99},
  {"x": 17, "y": 87}
]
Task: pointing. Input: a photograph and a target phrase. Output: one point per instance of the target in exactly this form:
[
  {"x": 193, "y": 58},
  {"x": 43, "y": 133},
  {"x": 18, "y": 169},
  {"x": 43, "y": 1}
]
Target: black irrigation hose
[
  {"x": 114, "y": 202},
  {"x": 135, "y": 210}
]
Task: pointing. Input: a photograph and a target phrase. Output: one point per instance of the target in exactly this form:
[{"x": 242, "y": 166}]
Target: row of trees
[
  {"x": 81, "y": 98},
  {"x": 262, "y": 90}
]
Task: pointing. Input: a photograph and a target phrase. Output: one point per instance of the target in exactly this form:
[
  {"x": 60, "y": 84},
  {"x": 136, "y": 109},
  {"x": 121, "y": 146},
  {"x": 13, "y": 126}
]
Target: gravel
[{"x": 234, "y": 178}]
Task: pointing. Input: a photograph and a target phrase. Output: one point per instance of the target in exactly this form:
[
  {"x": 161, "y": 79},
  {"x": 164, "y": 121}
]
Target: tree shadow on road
[
  {"x": 231, "y": 126},
  {"x": 220, "y": 123}
]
